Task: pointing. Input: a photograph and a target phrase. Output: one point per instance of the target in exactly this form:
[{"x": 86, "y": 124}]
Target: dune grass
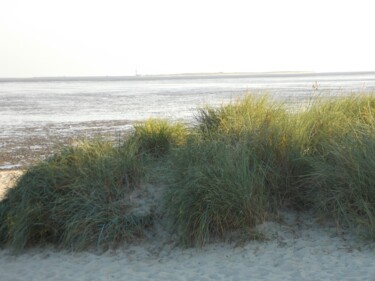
[
  {"x": 75, "y": 199},
  {"x": 235, "y": 168},
  {"x": 215, "y": 187},
  {"x": 332, "y": 119},
  {"x": 233, "y": 171},
  {"x": 338, "y": 145},
  {"x": 156, "y": 137},
  {"x": 342, "y": 182},
  {"x": 254, "y": 153}
]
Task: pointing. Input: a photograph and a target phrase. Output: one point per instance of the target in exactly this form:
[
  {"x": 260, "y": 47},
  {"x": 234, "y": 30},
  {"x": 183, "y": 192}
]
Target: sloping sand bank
[
  {"x": 7, "y": 180},
  {"x": 301, "y": 252}
]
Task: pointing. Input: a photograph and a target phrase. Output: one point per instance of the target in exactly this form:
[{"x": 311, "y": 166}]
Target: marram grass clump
[
  {"x": 216, "y": 187},
  {"x": 241, "y": 117},
  {"x": 342, "y": 182},
  {"x": 267, "y": 128},
  {"x": 340, "y": 154},
  {"x": 76, "y": 199},
  {"x": 320, "y": 159},
  {"x": 157, "y": 136},
  {"x": 328, "y": 120},
  {"x": 234, "y": 171}
]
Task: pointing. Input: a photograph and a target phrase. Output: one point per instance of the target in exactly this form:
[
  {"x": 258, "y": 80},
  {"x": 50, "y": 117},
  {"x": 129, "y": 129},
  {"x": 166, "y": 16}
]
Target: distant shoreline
[{"x": 183, "y": 76}]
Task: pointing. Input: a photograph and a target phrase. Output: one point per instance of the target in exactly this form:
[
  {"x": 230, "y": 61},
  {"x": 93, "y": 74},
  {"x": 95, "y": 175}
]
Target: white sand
[
  {"x": 7, "y": 179},
  {"x": 301, "y": 252},
  {"x": 297, "y": 250}
]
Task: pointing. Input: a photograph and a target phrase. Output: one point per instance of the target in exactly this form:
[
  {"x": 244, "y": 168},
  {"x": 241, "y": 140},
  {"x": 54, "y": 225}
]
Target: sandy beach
[
  {"x": 296, "y": 249},
  {"x": 296, "y": 253}
]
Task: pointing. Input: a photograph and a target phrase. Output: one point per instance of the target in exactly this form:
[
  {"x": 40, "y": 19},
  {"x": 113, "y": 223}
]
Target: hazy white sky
[{"x": 116, "y": 37}]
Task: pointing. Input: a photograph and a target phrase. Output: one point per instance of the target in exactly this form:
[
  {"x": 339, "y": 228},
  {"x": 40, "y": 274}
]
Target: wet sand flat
[{"x": 21, "y": 146}]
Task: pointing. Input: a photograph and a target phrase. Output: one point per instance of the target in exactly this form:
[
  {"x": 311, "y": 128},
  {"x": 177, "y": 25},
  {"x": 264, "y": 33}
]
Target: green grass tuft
[
  {"x": 234, "y": 171},
  {"x": 215, "y": 187},
  {"x": 76, "y": 199},
  {"x": 157, "y": 136},
  {"x": 340, "y": 183}
]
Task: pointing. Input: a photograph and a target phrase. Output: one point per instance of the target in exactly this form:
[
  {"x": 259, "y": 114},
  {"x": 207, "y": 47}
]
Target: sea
[{"x": 34, "y": 110}]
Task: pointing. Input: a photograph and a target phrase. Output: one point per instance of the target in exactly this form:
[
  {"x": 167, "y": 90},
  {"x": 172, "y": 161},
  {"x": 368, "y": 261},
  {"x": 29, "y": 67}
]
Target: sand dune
[{"x": 298, "y": 249}]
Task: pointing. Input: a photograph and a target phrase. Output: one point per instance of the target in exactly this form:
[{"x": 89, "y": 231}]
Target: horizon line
[{"x": 188, "y": 75}]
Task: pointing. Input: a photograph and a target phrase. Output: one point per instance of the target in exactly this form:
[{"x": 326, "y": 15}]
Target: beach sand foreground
[{"x": 299, "y": 249}]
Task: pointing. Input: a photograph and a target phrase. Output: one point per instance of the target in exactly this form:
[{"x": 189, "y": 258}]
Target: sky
[{"x": 121, "y": 37}]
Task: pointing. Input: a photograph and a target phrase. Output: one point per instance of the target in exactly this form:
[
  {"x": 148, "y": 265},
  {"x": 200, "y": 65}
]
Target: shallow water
[{"x": 35, "y": 113}]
